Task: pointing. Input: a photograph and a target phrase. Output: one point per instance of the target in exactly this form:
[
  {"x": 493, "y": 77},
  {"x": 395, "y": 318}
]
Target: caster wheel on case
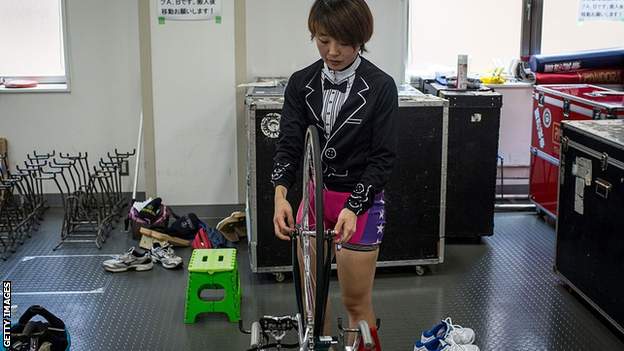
[
  {"x": 540, "y": 214},
  {"x": 279, "y": 277},
  {"x": 420, "y": 270}
]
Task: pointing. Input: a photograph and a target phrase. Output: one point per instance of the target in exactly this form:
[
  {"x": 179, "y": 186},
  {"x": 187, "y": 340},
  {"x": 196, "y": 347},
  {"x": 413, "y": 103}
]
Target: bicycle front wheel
[{"x": 314, "y": 256}]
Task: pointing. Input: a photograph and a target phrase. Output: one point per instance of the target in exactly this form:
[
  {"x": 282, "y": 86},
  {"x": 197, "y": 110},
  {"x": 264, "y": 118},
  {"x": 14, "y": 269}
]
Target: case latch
[
  {"x": 475, "y": 118},
  {"x": 603, "y": 188},
  {"x": 566, "y": 108},
  {"x": 604, "y": 161},
  {"x": 596, "y": 113},
  {"x": 564, "y": 143},
  {"x": 540, "y": 99}
]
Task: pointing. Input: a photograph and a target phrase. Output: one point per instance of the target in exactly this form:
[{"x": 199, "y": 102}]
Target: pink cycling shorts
[{"x": 369, "y": 229}]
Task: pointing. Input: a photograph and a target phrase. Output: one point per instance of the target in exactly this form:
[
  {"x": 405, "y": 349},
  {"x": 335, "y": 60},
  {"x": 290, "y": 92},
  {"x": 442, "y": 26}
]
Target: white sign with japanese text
[
  {"x": 189, "y": 9},
  {"x": 601, "y": 10}
]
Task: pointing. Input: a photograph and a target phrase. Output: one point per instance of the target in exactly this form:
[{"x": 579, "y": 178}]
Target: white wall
[
  {"x": 278, "y": 40},
  {"x": 194, "y": 109},
  {"x": 193, "y": 77},
  {"x": 102, "y": 110}
]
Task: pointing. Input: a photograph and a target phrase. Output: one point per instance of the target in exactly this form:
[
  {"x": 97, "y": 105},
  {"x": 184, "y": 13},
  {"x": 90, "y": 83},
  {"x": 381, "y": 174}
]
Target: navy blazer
[{"x": 358, "y": 155}]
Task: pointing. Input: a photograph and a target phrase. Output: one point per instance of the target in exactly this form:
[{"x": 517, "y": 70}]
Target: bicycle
[{"x": 311, "y": 285}]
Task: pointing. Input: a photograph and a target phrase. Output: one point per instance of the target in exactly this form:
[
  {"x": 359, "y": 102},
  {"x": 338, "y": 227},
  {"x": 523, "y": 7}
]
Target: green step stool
[{"x": 213, "y": 269}]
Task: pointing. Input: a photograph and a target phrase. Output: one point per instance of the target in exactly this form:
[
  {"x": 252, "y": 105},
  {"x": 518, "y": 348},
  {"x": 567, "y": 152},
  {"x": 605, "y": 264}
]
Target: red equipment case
[{"x": 551, "y": 105}]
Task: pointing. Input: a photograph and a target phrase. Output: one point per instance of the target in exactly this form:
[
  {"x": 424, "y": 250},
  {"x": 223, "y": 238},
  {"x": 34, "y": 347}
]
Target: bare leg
[{"x": 356, "y": 273}]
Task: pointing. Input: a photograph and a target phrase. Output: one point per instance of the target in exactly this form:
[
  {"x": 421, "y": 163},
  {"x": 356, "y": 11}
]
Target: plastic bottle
[{"x": 462, "y": 72}]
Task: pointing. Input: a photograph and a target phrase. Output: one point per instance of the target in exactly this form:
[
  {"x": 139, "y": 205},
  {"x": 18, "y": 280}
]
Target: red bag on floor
[{"x": 201, "y": 240}]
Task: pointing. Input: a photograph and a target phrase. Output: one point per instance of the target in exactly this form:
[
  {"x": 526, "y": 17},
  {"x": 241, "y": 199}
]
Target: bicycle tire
[{"x": 311, "y": 301}]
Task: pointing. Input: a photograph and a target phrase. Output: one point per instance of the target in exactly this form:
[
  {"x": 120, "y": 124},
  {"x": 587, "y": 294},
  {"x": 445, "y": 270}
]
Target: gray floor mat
[{"x": 503, "y": 288}]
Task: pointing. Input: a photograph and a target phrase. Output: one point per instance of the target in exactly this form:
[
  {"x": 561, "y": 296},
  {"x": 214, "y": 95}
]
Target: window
[
  {"x": 563, "y": 32},
  {"x": 32, "y": 40},
  {"x": 488, "y": 31}
]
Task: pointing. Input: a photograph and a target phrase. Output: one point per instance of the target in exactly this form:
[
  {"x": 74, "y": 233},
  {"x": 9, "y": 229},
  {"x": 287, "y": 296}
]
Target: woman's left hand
[{"x": 345, "y": 226}]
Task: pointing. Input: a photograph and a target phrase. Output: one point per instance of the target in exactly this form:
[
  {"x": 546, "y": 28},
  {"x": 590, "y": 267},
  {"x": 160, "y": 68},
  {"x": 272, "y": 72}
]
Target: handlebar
[
  {"x": 57, "y": 164},
  {"x": 37, "y": 156},
  {"x": 69, "y": 156},
  {"x": 28, "y": 169},
  {"x": 124, "y": 154},
  {"x": 365, "y": 333},
  {"x": 40, "y": 163},
  {"x": 52, "y": 171},
  {"x": 46, "y": 176}
]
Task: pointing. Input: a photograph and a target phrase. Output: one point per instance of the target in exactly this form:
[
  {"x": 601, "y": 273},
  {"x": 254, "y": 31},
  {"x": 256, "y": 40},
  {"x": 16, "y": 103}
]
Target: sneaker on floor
[
  {"x": 129, "y": 260},
  {"x": 165, "y": 255},
  {"x": 439, "y": 344},
  {"x": 447, "y": 330}
]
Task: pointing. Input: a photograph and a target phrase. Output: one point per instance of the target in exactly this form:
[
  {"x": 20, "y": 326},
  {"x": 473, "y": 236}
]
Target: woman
[{"x": 353, "y": 104}]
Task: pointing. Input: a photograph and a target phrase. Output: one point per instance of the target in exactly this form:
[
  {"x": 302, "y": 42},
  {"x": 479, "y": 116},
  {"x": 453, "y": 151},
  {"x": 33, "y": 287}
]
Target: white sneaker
[
  {"x": 448, "y": 331},
  {"x": 132, "y": 259},
  {"x": 165, "y": 255},
  {"x": 439, "y": 344}
]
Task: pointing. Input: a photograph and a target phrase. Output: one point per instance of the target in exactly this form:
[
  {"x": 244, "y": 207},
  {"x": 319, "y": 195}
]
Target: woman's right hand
[{"x": 283, "y": 220}]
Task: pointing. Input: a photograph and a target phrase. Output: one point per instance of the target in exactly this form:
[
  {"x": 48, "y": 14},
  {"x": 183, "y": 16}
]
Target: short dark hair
[{"x": 349, "y": 21}]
